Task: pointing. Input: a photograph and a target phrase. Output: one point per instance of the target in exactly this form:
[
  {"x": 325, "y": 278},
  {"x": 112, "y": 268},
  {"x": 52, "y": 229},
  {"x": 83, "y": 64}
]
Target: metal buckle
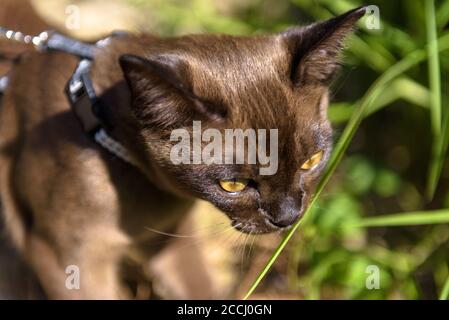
[{"x": 82, "y": 97}]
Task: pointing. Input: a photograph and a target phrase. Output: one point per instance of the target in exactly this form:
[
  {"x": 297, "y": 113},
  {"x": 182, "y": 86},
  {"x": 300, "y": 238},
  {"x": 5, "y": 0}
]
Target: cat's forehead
[
  {"x": 225, "y": 49},
  {"x": 233, "y": 60},
  {"x": 249, "y": 75}
]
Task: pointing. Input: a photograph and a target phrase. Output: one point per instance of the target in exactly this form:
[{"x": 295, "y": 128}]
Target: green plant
[
  {"x": 366, "y": 103},
  {"x": 390, "y": 157}
]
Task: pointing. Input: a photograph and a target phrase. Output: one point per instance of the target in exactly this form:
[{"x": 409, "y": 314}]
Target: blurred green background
[{"x": 396, "y": 162}]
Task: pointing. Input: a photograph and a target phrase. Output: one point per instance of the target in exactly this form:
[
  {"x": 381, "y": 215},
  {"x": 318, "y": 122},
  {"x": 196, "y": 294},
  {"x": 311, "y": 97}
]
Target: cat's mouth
[{"x": 261, "y": 226}]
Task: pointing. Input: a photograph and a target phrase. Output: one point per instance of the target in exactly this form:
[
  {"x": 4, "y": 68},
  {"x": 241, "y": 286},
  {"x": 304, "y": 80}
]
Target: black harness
[{"x": 79, "y": 89}]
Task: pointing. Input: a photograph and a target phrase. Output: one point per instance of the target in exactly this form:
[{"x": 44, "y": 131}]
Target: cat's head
[{"x": 277, "y": 81}]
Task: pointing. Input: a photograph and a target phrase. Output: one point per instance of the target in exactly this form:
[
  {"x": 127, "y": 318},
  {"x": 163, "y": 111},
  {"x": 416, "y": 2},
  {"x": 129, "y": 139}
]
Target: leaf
[
  {"x": 404, "y": 219},
  {"x": 435, "y": 100}
]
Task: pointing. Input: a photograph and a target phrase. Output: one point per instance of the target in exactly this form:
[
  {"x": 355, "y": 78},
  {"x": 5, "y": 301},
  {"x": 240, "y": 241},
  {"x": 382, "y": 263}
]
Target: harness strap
[
  {"x": 85, "y": 104},
  {"x": 58, "y": 42},
  {"x": 51, "y": 40},
  {"x": 113, "y": 146},
  {"x": 82, "y": 97},
  {"x": 3, "y": 84},
  {"x": 79, "y": 89}
]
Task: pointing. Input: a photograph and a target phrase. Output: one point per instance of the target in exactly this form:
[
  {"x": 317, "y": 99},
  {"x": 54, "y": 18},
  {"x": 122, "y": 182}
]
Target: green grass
[
  {"x": 405, "y": 219},
  {"x": 434, "y": 68},
  {"x": 445, "y": 291},
  {"x": 435, "y": 99},
  {"x": 399, "y": 68},
  {"x": 400, "y": 71}
]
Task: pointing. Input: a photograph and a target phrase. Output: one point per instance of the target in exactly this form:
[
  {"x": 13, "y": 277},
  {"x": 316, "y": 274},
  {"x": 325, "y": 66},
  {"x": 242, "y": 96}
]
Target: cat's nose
[
  {"x": 287, "y": 213},
  {"x": 283, "y": 221}
]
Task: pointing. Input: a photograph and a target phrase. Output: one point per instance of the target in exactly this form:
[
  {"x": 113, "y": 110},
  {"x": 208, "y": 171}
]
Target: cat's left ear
[
  {"x": 162, "y": 91},
  {"x": 315, "y": 49},
  {"x": 163, "y": 69}
]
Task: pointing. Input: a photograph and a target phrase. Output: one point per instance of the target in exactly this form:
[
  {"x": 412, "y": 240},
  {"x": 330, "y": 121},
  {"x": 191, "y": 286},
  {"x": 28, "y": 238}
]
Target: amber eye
[
  {"x": 233, "y": 185},
  {"x": 312, "y": 161}
]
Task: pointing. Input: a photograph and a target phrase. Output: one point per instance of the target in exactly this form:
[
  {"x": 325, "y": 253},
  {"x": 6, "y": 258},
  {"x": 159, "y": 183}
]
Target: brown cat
[{"x": 67, "y": 201}]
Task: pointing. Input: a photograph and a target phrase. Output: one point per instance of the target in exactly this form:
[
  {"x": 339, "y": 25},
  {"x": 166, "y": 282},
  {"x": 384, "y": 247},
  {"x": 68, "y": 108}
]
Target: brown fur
[{"x": 68, "y": 201}]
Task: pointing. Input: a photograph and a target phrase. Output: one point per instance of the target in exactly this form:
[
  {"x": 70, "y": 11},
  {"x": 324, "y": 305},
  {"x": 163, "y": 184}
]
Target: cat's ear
[
  {"x": 159, "y": 89},
  {"x": 315, "y": 49},
  {"x": 170, "y": 70},
  {"x": 162, "y": 90}
]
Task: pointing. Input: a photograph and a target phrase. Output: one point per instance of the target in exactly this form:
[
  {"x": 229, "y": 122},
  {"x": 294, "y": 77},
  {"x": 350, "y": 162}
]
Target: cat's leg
[{"x": 85, "y": 267}]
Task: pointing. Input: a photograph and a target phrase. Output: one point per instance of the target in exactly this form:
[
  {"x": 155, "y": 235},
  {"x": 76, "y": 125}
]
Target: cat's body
[
  {"x": 53, "y": 178},
  {"x": 67, "y": 201}
]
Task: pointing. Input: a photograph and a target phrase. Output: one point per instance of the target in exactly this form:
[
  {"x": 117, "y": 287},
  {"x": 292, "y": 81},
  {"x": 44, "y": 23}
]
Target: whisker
[
  {"x": 242, "y": 260},
  {"x": 225, "y": 243},
  {"x": 168, "y": 234},
  {"x": 174, "y": 235},
  {"x": 231, "y": 240},
  {"x": 341, "y": 82},
  {"x": 203, "y": 238},
  {"x": 188, "y": 238},
  {"x": 254, "y": 236},
  {"x": 236, "y": 242}
]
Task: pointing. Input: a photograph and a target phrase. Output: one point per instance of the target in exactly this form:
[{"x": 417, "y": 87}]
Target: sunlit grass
[
  {"x": 405, "y": 219},
  {"x": 365, "y": 104},
  {"x": 445, "y": 291},
  {"x": 408, "y": 74},
  {"x": 435, "y": 99}
]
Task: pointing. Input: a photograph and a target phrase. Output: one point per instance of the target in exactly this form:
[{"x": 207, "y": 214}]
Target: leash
[
  {"x": 79, "y": 89},
  {"x": 51, "y": 40}
]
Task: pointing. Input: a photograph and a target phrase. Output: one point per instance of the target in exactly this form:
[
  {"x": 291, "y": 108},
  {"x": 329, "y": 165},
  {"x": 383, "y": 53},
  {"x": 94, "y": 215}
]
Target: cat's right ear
[{"x": 315, "y": 49}]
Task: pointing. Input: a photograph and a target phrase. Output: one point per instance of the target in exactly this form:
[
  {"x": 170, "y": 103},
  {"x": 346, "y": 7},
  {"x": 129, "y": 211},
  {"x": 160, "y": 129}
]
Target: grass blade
[
  {"x": 401, "y": 88},
  {"x": 445, "y": 291},
  {"x": 409, "y": 61},
  {"x": 435, "y": 98},
  {"x": 405, "y": 219},
  {"x": 439, "y": 150},
  {"x": 443, "y": 15}
]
